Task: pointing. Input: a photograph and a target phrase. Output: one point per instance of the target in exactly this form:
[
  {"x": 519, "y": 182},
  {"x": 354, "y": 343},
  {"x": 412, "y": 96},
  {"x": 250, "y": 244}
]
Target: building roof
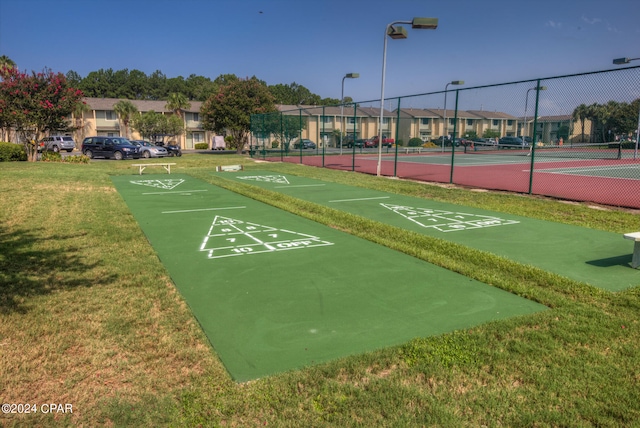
[{"x": 142, "y": 105}]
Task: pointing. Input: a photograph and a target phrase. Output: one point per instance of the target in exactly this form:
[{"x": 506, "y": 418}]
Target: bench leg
[{"x": 635, "y": 261}]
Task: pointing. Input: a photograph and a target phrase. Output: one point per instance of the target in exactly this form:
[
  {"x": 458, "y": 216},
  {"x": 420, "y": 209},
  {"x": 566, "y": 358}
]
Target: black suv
[
  {"x": 109, "y": 147},
  {"x": 511, "y": 142}
]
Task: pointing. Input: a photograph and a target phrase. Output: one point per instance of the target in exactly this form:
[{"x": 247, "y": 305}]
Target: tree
[
  {"x": 491, "y": 133},
  {"x": 294, "y": 94},
  {"x": 178, "y": 102},
  {"x": 79, "y": 122},
  {"x": 36, "y": 103},
  {"x": 581, "y": 113},
  {"x": 6, "y": 63},
  {"x": 125, "y": 110},
  {"x": 147, "y": 124},
  {"x": 231, "y": 108},
  {"x": 156, "y": 126}
]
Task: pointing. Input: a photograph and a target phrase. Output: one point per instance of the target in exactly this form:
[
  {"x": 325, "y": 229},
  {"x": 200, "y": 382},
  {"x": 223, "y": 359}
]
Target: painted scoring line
[
  {"x": 181, "y": 191},
  {"x": 361, "y": 199},
  {"x": 299, "y": 185},
  {"x": 201, "y": 209}
]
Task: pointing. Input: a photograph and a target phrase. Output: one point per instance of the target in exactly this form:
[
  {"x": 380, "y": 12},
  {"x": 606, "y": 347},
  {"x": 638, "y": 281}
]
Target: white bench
[
  {"x": 635, "y": 236},
  {"x": 413, "y": 150},
  {"x": 142, "y": 166}
]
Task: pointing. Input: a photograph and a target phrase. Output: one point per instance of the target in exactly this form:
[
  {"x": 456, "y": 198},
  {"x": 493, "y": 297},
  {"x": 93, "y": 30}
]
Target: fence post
[
  {"x": 453, "y": 141},
  {"x": 534, "y": 139}
]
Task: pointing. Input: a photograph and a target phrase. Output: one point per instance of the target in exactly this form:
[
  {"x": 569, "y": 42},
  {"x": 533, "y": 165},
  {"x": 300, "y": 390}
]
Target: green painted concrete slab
[
  {"x": 599, "y": 258},
  {"x": 275, "y": 292}
]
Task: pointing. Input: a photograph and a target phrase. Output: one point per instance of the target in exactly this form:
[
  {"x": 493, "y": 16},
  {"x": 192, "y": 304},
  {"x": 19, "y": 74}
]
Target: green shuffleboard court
[
  {"x": 599, "y": 258},
  {"x": 275, "y": 292}
]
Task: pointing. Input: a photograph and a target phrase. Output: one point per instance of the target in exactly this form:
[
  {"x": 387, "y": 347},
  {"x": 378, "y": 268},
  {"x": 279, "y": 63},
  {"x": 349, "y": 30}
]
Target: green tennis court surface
[
  {"x": 598, "y": 258},
  {"x": 275, "y": 292}
]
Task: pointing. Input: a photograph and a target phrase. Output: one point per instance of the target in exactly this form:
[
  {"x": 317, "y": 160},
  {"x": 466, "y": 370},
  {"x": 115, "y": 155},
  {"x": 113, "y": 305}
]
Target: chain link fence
[{"x": 573, "y": 137}]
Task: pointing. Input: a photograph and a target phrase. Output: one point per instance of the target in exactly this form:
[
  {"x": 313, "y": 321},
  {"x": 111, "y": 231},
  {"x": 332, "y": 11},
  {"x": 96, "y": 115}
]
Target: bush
[
  {"x": 415, "y": 142},
  {"x": 201, "y": 146},
  {"x": 57, "y": 157},
  {"x": 51, "y": 157},
  {"x": 429, "y": 145},
  {"x": 10, "y": 152}
]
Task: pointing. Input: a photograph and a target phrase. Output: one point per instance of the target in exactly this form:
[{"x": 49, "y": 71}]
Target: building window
[
  {"x": 197, "y": 137},
  {"x": 327, "y": 119},
  {"x": 110, "y": 115},
  {"x": 351, "y": 120},
  {"x": 196, "y": 117},
  {"x": 452, "y": 122},
  {"x": 510, "y": 122},
  {"x": 469, "y": 122},
  {"x": 496, "y": 122},
  {"x": 424, "y": 121}
]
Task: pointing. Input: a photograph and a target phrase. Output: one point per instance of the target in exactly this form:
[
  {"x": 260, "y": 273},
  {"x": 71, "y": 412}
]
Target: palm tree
[
  {"x": 80, "y": 124},
  {"x": 177, "y": 102},
  {"x": 6, "y": 62},
  {"x": 581, "y": 113},
  {"x": 125, "y": 110}
]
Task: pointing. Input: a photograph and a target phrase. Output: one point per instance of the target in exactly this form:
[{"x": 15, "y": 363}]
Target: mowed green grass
[{"x": 90, "y": 317}]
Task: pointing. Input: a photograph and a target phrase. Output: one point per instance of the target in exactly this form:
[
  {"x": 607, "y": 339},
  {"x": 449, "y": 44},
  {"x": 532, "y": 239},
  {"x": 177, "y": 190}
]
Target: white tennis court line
[
  {"x": 177, "y": 191},
  {"x": 299, "y": 185},
  {"x": 360, "y": 199},
  {"x": 201, "y": 209}
]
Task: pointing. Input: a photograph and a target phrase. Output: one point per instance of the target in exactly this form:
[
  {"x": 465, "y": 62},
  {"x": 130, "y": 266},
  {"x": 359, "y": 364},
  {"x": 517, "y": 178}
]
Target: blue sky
[{"x": 315, "y": 43}]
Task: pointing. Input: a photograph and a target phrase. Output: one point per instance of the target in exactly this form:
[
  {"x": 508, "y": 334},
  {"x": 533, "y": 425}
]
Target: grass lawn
[{"x": 89, "y": 317}]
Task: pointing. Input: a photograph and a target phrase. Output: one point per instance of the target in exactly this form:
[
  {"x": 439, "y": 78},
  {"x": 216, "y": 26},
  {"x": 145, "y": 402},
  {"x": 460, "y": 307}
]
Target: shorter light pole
[
  {"x": 526, "y": 101},
  {"x": 620, "y": 61},
  {"x": 346, "y": 76},
  {"x": 445, "y": 127}
]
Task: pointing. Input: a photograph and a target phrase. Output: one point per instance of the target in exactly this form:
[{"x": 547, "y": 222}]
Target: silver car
[
  {"x": 57, "y": 143},
  {"x": 148, "y": 150}
]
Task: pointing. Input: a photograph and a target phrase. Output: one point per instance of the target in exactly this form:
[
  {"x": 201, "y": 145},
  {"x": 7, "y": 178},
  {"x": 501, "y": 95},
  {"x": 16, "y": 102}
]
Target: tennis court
[
  {"x": 595, "y": 257},
  {"x": 599, "y": 173},
  {"x": 275, "y": 292}
]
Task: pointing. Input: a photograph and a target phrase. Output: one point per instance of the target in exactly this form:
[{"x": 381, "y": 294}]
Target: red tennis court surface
[{"x": 613, "y": 182}]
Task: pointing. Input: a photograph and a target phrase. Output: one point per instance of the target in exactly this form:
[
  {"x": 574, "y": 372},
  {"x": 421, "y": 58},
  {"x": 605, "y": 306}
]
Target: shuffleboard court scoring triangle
[
  {"x": 229, "y": 237},
  {"x": 280, "y": 179},
  {"x": 447, "y": 221},
  {"x": 166, "y": 184}
]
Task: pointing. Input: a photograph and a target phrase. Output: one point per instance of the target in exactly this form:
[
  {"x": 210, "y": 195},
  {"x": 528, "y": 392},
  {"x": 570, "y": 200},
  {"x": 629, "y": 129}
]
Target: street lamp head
[
  {"x": 424, "y": 23},
  {"x": 457, "y": 82},
  {"x": 620, "y": 61},
  {"x": 397, "y": 32},
  {"x": 352, "y": 75}
]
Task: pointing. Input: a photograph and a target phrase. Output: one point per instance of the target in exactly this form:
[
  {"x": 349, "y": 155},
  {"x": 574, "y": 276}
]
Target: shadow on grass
[{"x": 28, "y": 270}]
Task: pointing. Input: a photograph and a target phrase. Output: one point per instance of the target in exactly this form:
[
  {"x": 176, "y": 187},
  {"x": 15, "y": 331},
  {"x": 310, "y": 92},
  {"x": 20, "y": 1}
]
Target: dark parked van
[{"x": 110, "y": 147}]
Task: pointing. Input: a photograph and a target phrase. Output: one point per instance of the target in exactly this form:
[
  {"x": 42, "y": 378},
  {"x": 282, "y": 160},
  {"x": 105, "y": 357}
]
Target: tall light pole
[
  {"x": 445, "y": 128},
  {"x": 526, "y": 101},
  {"x": 619, "y": 61},
  {"x": 346, "y": 76},
  {"x": 397, "y": 33}
]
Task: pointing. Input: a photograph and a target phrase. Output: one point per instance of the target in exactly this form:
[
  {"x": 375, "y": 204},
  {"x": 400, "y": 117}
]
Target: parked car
[
  {"x": 386, "y": 142},
  {"x": 172, "y": 148},
  {"x": 369, "y": 143},
  {"x": 357, "y": 143},
  {"x": 148, "y": 150},
  {"x": 511, "y": 142},
  {"x": 109, "y": 147},
  {"x": 56, "y": 143},
  {"x": 306, "y": 144}
]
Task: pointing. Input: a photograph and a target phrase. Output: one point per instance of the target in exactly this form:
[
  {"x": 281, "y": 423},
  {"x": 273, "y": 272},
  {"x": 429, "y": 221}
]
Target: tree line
[
  {"x": 609, "y": 120},
  {"x": 137, "y": 85}
]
